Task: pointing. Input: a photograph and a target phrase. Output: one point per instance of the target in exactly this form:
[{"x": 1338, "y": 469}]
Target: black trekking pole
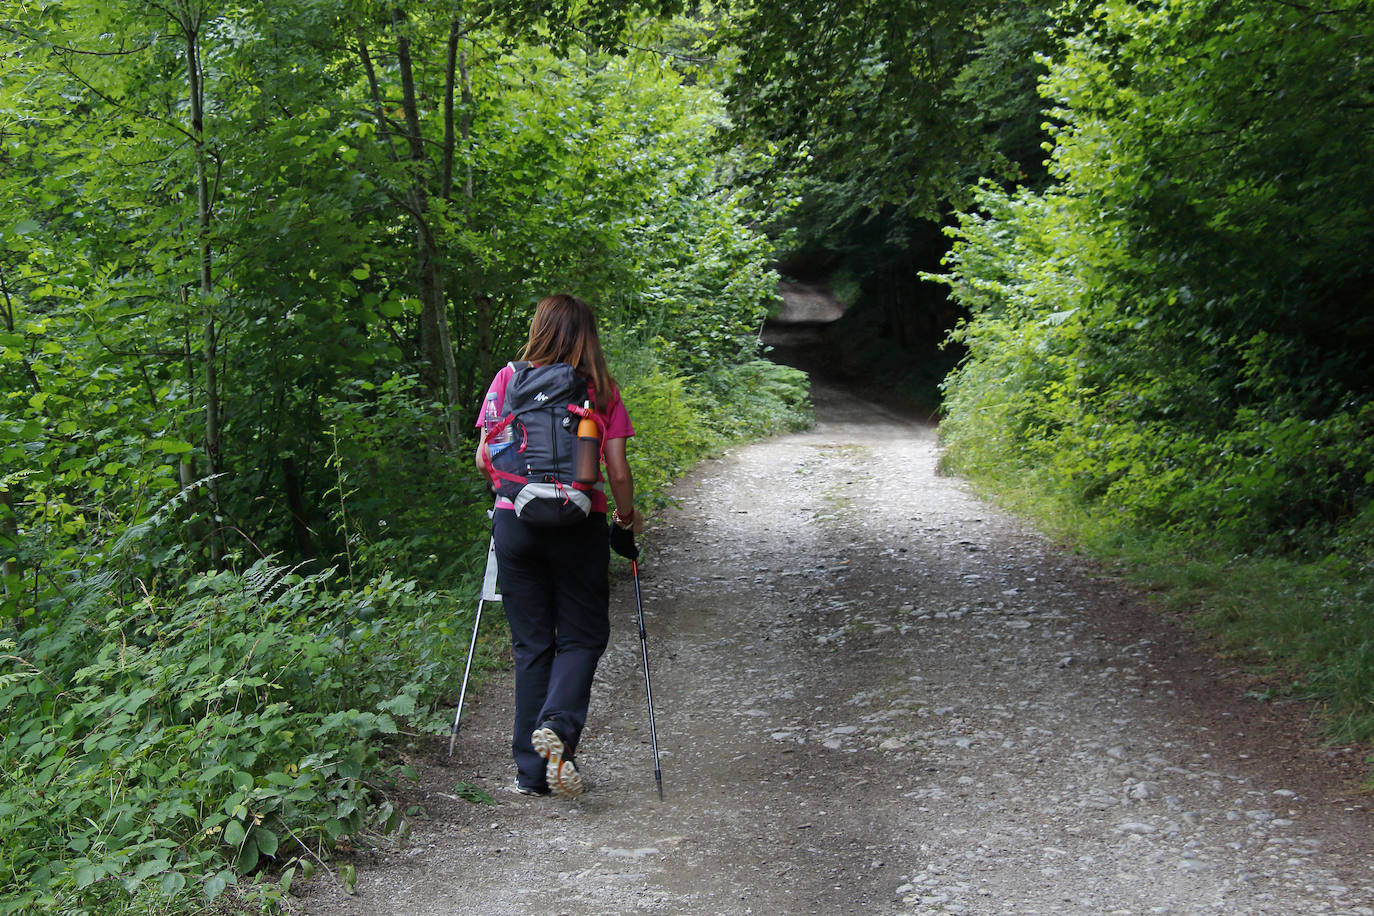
[
  {"x": 648, "y": 690},
  {"x": 489, "y": 593}
]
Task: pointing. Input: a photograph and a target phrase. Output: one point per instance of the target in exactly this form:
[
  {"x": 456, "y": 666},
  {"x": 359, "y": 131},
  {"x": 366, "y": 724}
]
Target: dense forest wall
[
  {"x": 1162, "y": 234},
  {"x": 1180, "y": 326}
]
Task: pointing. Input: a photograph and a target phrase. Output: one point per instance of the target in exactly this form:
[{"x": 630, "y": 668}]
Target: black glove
[{"x": 623, "y": 542}]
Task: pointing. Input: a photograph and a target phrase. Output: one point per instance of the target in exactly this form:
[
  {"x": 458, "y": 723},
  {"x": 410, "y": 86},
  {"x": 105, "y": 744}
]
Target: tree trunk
[
  {"x": 193, "y": 531},
  {"x": 436, "y": 345},
  {"x": 452, "y": 60},
  {"x": 485, "y": 356},
  {"x": 9, "y": 517},
  {"x": 295, "y": 502},
  {"x": 9, "y": 326},
  {"x": 9, "y": 541},
  {"x": 209, "y": 337}
]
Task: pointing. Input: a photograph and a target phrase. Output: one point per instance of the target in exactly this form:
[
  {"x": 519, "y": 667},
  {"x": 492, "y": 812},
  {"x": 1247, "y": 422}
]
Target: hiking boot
[
  {"x": 562, "y": 774},
  {"x": 533, "y": 791}
]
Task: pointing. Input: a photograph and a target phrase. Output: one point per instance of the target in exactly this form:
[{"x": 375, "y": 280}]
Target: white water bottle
[{"x": 490, "y": 417}]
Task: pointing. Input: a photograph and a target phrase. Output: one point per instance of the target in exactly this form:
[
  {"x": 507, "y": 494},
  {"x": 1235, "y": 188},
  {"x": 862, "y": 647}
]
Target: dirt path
[{"x": 878, "y": 695}]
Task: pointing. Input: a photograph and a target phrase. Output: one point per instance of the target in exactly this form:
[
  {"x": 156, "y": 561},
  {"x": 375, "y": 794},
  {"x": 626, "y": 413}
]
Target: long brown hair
[{"x": 563, "y": 330}]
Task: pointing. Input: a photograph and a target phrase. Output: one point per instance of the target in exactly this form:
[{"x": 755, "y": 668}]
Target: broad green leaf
[
  {"x": 247, "y": 859},
  {"x": 266, "y": 841},
  {"x": 214, "y": 886},
  {"x": 234, "y": 833},
  {"x": 170, "y": 446}
]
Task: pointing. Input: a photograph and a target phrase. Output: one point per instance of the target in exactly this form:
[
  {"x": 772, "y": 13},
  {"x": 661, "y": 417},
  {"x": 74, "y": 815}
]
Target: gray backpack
[{"x": 535, "y": 469}]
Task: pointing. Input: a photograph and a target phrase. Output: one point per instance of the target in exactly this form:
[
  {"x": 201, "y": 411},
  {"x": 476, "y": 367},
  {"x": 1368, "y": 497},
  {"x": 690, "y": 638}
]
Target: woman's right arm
[{"x": 481, "y": 452}]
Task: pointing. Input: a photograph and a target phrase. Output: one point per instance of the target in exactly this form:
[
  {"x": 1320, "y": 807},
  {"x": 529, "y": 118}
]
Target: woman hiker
[{"x": 554, "y": 580}]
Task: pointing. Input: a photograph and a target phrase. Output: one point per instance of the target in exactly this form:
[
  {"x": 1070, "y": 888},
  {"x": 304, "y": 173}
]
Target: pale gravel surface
[{"x": 877, "y": 694}]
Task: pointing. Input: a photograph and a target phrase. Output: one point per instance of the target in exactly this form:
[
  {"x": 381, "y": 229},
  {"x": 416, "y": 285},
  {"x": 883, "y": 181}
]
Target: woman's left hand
[{"x": 634, "y": 523}]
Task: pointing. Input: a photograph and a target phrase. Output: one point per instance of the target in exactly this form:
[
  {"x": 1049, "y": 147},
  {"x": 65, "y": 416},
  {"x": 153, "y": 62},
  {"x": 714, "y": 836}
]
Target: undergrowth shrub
[
  {"x": 1019, "y": 387},
  {"x": 756, "y": 398},
  {"x": 670, "y": 432},
  {"x": 165, "y": 748},
  {"x": 1052, "y": 386},
  {"x": 398, "y": 500},
  {"x": 681, "y": 417}
]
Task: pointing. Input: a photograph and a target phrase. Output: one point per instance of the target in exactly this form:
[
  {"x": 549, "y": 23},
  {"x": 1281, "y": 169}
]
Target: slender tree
[{"x": 187, "y": 17}]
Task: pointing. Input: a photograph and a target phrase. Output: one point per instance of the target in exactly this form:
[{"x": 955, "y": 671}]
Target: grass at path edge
[{"x": 1305, "y": 629}]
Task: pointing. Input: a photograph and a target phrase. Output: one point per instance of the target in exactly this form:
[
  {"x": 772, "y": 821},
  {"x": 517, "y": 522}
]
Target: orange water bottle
[{"x": 587, "y": 461}]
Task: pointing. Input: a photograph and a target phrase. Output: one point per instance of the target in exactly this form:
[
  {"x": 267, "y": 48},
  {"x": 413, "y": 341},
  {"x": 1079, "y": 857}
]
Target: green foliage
[
  {"x": 1156, "y": 331},
  {"x": 597, "y": 178},
  {"x": 756, "y": 399},
  {"x": 468, "y": 792},
  {"x": 382, "y": 446},
  {"x": 850, "y": 94},
  {"x": 679, "y": 419},
  {"x": 708, "y": 290},
  {"x": 180, "y": 745},
  {"x": 1016, "y": 389},
  {"x": 672, "y": 431}
]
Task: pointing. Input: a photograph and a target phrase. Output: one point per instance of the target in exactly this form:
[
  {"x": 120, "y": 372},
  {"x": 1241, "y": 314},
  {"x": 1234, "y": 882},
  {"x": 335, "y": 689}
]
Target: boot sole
[{"x": 562, "y": 774}]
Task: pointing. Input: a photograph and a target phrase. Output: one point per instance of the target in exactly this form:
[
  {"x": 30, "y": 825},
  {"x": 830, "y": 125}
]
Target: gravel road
[{"x": 877, "y": 694}]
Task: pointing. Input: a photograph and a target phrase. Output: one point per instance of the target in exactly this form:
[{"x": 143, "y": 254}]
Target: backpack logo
[{"x": 541, "y": 397}]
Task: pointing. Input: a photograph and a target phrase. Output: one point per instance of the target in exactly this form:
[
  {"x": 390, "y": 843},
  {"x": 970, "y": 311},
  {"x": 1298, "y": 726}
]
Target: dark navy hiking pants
[{"x": 555, "y": 587}]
